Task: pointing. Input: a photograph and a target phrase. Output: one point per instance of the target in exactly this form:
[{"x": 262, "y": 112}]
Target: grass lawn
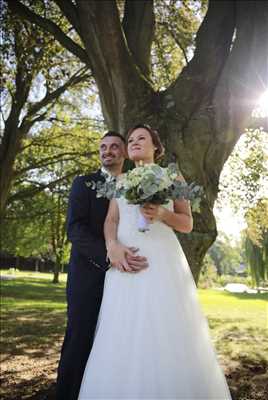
[
  {"x": 239, "y": 329},
  {"x": 33, "y": 321}
]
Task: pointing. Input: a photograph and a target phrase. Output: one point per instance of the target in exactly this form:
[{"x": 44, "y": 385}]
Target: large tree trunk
[
  {"x": 10, "y": 145},
  {"x": 202, "y": 114},
  {"x": 8, "y": 152}
]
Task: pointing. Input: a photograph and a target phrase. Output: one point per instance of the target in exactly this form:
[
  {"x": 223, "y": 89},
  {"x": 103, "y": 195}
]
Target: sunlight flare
[{"x": 262, "y": 105}]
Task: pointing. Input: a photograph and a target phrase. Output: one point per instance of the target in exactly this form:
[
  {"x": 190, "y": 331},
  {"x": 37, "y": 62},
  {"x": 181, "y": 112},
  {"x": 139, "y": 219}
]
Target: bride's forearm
[
  {"x": 111, "y": 224},
  {"x": 110, "y": 232},
  {"x": 178, "y": 221},
  {"x": 116, "y": 252}
]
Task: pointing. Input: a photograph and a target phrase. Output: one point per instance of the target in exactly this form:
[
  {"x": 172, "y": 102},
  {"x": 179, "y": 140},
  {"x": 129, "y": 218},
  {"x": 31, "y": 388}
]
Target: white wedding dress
[{"x": 152, "y": 341}]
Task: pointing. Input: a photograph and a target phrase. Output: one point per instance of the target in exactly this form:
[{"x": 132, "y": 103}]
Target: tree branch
[
  {"x": 138, "y": 25},
  {"x": 69, "y": 10},
  {"x": 49, "y": 98},
  {"x": 53, "y": 160},
  {"x": 78, "y": 77},
  {"x": 119, "y": 80},
  {"x": 244, "y": 78},
  {"x": 43, "y": 142},
  {"x": 24, "y": 128},
  {"x": 29, "y": 192},
  {"x": 26, "y": 217},
  {"x": 176, "y": 39},
  {"x": 2, "y": 114},
  {"x": 49, "y": 26},
  {"x": 213, "y": 43}
]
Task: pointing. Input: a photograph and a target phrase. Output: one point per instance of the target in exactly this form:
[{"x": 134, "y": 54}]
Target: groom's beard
[
  {"x": 108, "y": 160},
  {"x": 112, "y": 164}
]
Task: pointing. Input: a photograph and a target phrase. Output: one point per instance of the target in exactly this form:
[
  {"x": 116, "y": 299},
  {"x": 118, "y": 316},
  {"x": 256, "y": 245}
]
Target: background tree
[
  {"x": 244, "y": 188},
  {"x": 225, "y": 255},
  {"x": 256, "y": 241},
  {"x": 244, "y": 178},
  {"x": 71, "y": 145},
  {"x": 27, "y": 229},
  {"x": 208, "y": 274},
  {"x": 201, "y": 113},
  {"x": 37, "y": 229},
  {"x": 36, "y": 71},
  {"x": 35, "y": 218}
]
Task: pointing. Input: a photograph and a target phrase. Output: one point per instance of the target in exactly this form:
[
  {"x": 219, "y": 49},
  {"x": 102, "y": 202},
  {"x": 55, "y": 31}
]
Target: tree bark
[
  {"x": 202, "y": 114},
  {"x": 56, "y": 273},
  {"x": 12, "y": 138},
  {"x": 138, "y": 25}
]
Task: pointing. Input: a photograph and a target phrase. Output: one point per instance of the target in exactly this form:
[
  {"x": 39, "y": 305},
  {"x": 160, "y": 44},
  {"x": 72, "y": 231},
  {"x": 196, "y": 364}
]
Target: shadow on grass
[
  {"x": 249, "y": 380},
  {"x": 248, "y": 296},
  {"x": 33, "y": 325},
  {"x": 39, "y": 388},
  {"x": 233, "y": 325},
  {"x": 30, "y": 331},
  {"x": 237, "y": 329},
  {"x": 223, "y": 322},
  {"x": 33, "y": 315}
]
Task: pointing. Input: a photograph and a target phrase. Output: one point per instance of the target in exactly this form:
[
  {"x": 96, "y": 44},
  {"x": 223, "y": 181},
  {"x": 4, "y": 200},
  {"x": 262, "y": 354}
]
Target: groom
[{"x": 86, "y": 273}]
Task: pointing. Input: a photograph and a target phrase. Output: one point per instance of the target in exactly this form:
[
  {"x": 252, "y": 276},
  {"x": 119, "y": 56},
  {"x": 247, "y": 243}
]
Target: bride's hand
[
  {"x": 152, "y": 212},
  {"x": 118, "y": 253}
]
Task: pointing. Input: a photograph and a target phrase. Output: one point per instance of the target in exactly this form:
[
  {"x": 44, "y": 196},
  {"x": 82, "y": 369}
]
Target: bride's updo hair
[{"x": 160, "y": 150}]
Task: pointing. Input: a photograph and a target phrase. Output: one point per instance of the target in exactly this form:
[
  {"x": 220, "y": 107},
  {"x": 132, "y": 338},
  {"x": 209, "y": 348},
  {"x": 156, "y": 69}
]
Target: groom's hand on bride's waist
[
  {"x": 124, "y": 258},
  {"x": 132, "y": 263},
  {"x": 136, "y": 263}
]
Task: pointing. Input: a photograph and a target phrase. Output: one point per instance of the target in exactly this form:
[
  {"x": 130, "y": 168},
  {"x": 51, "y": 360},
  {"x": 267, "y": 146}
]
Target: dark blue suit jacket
[
  {"x": 86, "y": 273},
  {"x": 85, "y": 220}
]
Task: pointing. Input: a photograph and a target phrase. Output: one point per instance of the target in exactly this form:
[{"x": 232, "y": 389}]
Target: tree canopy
[{"x": 36, "y": 72}]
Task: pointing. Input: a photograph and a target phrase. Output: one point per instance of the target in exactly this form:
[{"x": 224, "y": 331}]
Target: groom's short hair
[{"x": 116, "y": 134}]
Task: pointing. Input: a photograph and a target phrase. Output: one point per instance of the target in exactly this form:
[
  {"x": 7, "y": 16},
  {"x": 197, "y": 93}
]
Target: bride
[{"x": 151, "y": 341}]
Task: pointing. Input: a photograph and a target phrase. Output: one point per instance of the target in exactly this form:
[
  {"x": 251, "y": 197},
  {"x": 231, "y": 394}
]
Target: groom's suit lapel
[
  {"x": 99, "y": 205},
  {"x": 98, "y": 176},
  {"x": 98, "y": 211}
]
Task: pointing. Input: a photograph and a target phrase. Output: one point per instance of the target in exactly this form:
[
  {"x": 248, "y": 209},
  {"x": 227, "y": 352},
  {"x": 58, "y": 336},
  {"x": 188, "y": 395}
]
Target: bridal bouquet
[{"x": 148, "y": 183}]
